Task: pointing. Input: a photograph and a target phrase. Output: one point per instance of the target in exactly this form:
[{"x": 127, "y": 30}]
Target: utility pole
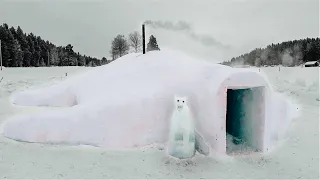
[
  {"x": 0, "y": 57},
  {"x": 143, "y": 40}
]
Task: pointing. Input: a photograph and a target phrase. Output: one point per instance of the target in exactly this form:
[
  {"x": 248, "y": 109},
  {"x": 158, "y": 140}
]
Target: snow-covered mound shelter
[{"x": 128, "y": 103}]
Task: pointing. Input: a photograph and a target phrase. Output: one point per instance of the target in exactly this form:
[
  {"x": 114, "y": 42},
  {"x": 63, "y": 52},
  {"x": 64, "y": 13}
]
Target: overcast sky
[{"x": 236, "y": 26}]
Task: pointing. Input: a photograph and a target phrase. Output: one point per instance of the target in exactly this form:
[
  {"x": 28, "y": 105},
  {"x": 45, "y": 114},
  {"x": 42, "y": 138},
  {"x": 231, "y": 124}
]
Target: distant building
[{"x": 311, "y": 64}]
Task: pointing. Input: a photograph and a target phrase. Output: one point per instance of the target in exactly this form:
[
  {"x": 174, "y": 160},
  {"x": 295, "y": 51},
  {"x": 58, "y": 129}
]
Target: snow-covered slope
[{"x": 128, "y": 103}]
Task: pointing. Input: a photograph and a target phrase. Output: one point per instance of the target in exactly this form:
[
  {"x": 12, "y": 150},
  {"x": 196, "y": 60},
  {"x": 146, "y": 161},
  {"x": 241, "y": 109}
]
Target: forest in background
[
  {"x": 28, "y": 50},
  {"x": 289, "y": 53}
]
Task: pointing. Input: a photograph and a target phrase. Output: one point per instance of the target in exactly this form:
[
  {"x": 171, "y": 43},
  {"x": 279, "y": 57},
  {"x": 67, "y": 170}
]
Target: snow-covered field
[{"x": 296, "y": 157}]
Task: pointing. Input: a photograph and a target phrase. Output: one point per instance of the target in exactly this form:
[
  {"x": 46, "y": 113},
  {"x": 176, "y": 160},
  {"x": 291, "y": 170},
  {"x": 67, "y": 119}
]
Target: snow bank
[{"x": 128, "y": 103}]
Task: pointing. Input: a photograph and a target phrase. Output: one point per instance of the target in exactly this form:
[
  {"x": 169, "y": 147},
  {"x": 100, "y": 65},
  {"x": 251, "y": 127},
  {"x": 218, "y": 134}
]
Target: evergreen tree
[
  {"x": 4, "y": 46},
  {"x": 37, "y": 52},
  {"x": 13, "y": 32},
  {"x": 81, "y": 60},
  {"x": 5, "y": 25},
  {"x": 70, "y": 60},
  {"x": 17, "y": 55},
  {"x": 152, "y": 44},
  {"x": 21, "y": 37},
  {"x": 54, "y": 58},
  {"x": 104, "y": 61},
  {"x": 11, "y": 45},
  {"x": 31, "y": 49},
  {"x": 42, "y": 64}
]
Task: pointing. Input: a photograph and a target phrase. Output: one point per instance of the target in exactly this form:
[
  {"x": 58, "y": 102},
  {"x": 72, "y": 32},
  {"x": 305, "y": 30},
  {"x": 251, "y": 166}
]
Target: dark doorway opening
[{"x": 244, "y": 120}]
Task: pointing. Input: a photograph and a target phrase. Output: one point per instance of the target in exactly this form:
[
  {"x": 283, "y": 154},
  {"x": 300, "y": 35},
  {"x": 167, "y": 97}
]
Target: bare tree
[
  {"x": 119, "y": 46},
  {"x": 135, "y": 41}
]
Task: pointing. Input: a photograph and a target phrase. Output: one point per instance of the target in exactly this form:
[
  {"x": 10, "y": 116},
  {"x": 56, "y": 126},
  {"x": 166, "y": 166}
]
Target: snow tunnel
[
  {"x": 244, "y": 120},
  {"x": 244, "y": 113}
]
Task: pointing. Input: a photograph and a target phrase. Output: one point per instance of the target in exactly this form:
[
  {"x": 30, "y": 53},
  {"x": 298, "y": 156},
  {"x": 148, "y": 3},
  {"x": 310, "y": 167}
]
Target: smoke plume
[{"x": 186, "y": 28}]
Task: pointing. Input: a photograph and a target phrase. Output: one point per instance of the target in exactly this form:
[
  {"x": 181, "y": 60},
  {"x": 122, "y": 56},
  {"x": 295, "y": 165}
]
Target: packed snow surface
[
  {"x": 297, "y": 155},
  {"x": 128, "y": 103}
]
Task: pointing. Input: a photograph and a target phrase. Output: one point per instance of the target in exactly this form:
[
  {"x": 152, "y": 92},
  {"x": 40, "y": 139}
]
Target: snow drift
[{"x": 129, "y": 102}]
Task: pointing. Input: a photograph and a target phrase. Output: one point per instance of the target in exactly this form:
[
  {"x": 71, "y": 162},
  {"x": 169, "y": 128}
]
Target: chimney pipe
[{"x": 143, "y": 40}]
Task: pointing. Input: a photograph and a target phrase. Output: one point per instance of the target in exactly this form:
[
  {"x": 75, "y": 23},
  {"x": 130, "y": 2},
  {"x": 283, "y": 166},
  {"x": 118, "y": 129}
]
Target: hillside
[
  {"x": 22, "y": 50},
  {"x": 289, "y": 53}
]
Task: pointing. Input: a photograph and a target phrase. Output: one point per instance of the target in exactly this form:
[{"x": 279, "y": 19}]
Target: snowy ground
[{"x": 296, "y": 157}]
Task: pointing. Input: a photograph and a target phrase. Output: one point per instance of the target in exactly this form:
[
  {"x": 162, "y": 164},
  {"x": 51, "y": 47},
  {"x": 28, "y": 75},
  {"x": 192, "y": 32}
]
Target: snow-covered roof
[
  {"x": 310, "y": 62},
  {"x": 129, "y": 103}
]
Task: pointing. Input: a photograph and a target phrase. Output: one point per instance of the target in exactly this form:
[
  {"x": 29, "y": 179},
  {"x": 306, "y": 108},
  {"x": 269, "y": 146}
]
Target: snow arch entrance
[{"x": 244, "y": 112}]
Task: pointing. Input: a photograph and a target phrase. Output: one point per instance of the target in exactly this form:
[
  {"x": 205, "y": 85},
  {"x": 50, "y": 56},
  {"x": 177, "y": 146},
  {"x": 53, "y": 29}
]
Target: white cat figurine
[{"x": 182, "y": 131}]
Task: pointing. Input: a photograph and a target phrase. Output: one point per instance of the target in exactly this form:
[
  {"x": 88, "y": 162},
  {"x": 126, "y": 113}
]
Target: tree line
[
  {"x": 121, "y": 45},
  {"x": 289, "y": 53},
  {"x": 28, "y": 50}
]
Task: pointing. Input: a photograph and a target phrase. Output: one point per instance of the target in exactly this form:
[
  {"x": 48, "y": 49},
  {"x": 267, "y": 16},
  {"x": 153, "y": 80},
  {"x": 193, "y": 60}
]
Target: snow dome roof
[{"x": 128, "y": 102}]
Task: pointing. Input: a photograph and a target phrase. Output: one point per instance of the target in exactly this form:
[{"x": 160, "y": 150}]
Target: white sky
[{"x": 91, "y": 25}]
